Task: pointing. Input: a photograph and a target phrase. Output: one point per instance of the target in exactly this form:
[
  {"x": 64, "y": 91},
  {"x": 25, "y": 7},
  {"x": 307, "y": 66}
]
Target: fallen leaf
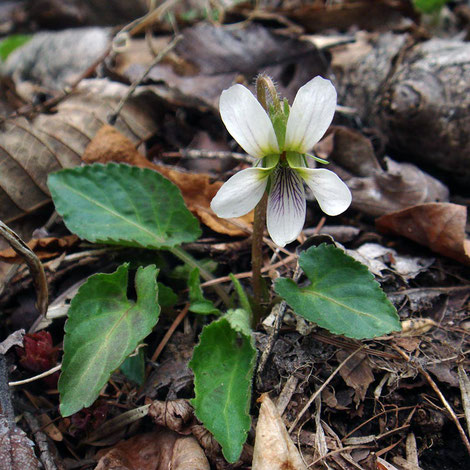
[
  {"x": 43, "y": 247},
  {"x": 274, "y": 449},
  {"x": 362, "y": 14},
  {"x": 158, "y": 450},
  {"x": 16, "y": 450},
  {"x": 439, "y": 226},
  {"x": 175, "y": 415},
  {"x": 109, "y": 145},
  {"x": 211, "y": 58},
  {"x": 377, "y": 191},
  {"x": 30, "y": 150},
  {"x": 357, "y": 373},
  {"x": 14, "y": 339}
]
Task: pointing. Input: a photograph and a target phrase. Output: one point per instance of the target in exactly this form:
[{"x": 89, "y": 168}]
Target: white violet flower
[{"x": 281, "y": 148}]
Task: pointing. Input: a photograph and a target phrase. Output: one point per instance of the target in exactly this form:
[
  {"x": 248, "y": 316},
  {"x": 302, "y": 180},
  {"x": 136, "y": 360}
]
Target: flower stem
[{"x": 257, "y": 257}]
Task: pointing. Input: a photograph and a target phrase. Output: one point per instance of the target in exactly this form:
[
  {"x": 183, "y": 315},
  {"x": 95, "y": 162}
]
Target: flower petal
[
  {"x": 240, "y": 194},
  {"x": 310, "y": 115},
  {"x": 247, "y": 121},
  {"x": 329, "y": 190},
  {"x": 286, "y": 206}
]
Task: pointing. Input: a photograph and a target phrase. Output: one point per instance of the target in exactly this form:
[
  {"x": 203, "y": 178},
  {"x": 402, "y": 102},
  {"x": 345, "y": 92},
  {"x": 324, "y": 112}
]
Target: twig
[
  {"x": 68, "y": 91},
  {"x": 393, "y": 410},
  {"x": 5, "y": 397},
  {"x": 45, "y": 454},
  {"x": 209, "y": 154},
  {"x": 246, "y": 274},
  {"x": 35, "y": 267},
  {"x": 320, "y": 389},
  {"x": 275, "y": 331},
  {"x": 168, "y": 334},
  {"x": 112, "y": 118},
  {"x": 35, "y": 377},
  {"x": 447, "y": 407}
]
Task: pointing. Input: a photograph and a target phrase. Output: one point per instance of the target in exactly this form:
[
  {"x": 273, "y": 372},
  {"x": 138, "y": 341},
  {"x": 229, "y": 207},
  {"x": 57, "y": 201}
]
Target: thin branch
[{"x": 320, "y": 389}]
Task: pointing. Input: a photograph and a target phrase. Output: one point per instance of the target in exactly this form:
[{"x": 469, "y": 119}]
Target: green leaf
[
  {"x": 240, "y": 320},
  {"x": 10, "y": 43},
  {"x": 223, "y": 364},
  {"x": 133, "y": 367},
  {"x": 166, "y": 296},
  {"x": 103, "y": 328},
  {"x": 429, "y": 6},
  {"x": 343, "y": 296},
  {"x": 122, "y": 205},
  {"x": 199, "y": 304}
]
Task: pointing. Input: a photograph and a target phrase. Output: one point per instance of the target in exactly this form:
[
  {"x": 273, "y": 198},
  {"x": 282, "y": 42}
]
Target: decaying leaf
[
  {"x": 377, "y": 191},
  {"x": 158, "y": 450},
  {"x": 363, "y": 14},
  {"x": 274, "y": 449},
  {"x": 16, "y": 450},
  {"x": 417, "y": 326},
  {"x": 175, "y": 414},
  {"x": 211, "y": 58},
  {"x": 109, "y": 145},
  {"x": 30, "y": 150},
  {"x": 44, "y": 248},
  {"x": 439, "y": 226},
  {"x": 54, "y": 59},
  {"x": 14, "y": 339},
  {"x": 357, "y": 373}
]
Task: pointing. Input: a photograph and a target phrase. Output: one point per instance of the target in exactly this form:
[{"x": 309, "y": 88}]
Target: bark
[{"x": 417, "y": 94}]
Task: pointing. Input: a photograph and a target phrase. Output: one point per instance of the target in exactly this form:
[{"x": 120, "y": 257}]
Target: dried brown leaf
[
  {"x": 211, "y": 58},
  {"x": 377, "y": 191},
  {"x": 44, "y": 248},
  {"x": 357, "y": 373},
  {"x": 175, "y": 415},
  {"x": 158, "y": 450},
  {"x": 109, "y": 145},
  {"x": 439, "y": 226},
  {"x": 30, "y": 150},
  {"x": 16, "y": 450},
  {"x": 274, "y": 449},
  {"x": 363, "y": 14}
]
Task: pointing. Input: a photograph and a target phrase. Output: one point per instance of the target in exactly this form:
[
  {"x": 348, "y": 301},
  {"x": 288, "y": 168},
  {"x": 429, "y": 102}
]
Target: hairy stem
[{"x": 257, "y": 257}]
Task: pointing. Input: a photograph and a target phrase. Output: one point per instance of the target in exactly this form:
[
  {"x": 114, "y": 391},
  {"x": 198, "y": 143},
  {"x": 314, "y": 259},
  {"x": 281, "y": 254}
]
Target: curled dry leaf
[
  {"x": 377, "y": 191},
  {"x": 16, "y": 450},
  {"x": 440, "y": 226},
  {"x": 274, "y": 449},
  {"x": 43, "y": 247},
  {"x": 175, "y": 415},
  {"x": 158, "y": 450},
  {"x": 30, "y": 150},
  {"x": 109, "y": 145}
]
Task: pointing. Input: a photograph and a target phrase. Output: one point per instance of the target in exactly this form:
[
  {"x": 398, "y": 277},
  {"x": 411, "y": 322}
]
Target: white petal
[
  {"x": 310, "y": 115},
  {"x": 329, "y": 190},
  {"x": 240, "y": 194},
  {"x": 286, "y": 206},
  {"x": 247, "y": 121}
]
